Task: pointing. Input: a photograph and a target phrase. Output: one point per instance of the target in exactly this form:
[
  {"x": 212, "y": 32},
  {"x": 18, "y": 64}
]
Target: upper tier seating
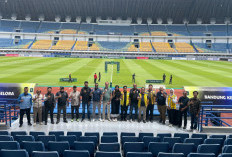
[
  {"x": 119, "y": 30},
  {"x": 141, "y": 30},
  {"x": 63, "y": 45},
  {"x": 115, "y": 46},
  {"x": 216, "y": 47},
  {"x": 29, "y": 27},
  {"x": 145, "y": 47},
  {"x": 48, "y": 27},
  {"x": 9, "y": 25},
  {"x": 42, "y": 44}
]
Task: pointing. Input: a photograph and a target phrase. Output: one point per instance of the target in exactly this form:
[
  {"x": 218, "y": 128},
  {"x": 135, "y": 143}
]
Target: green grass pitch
[{"x": 47, "y": 71}]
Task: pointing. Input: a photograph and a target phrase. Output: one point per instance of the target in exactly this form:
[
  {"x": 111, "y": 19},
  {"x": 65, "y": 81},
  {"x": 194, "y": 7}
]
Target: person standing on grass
[
  {"x": 170, "y": 81},
  {"x": 115, "y": 103},
  {"x": 70, "y": 78},
  {"x": 125, "y": 100},
  {"x": 95, "y": 78},
  {"x": 151, "y": 101},
  {"x": 133, "y": 78},
  {"x": 142, "y": 104},
  {"x": 164, "y": 78},
  {"x": 183, "y": 101},
  {"x": 107, "y": 96},
  {"x": 86, "y": 98},
  {"x": 161, "y": 104},
  {"x": 134, "y": 92},
  {"x": 63, "y": 100},
  {"x": 49, "y": 103},
  {"x": 75, "y": 103},
  {"x": 37, "y": 106},
  {"x": 194, "y": 105},
  {"x": 171, "y": 106},
  {"x": 97, "y": 98},
  {"x": 99, "y": 77},
  {"x": 25, "y": 103}
]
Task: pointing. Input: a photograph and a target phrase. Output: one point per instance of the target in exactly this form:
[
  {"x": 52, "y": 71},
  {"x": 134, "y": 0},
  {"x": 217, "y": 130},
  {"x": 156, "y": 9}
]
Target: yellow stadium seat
[
  {"x": 184, "y": 48},
  {"x": 81, "y": 46},
  {"x": 42, "y": 44},
  {"x": 162, "y": 47},
  {"x": 145, "y": 47},
  {"x": 94, "y": 47},
  {"x": 132, "y": 48},
  {"x": 68, "y": 31},
  {"x": 63, "y": 45},
  {"x": 159, "y": 34}
]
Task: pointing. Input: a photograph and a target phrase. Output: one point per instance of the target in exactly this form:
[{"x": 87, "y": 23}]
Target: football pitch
[{"x": 48, "y": 71}]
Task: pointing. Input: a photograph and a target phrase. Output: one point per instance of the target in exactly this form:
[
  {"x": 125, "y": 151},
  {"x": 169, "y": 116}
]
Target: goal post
[{"x": 112, "y": 62}]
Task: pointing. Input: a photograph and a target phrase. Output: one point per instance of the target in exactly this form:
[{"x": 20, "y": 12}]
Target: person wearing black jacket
[
  {"x": 183, "y": 101},
  {"x": 86, "y": 98},
  {"x": 134, "y": 93},
  {"x": 49, "y": 103}
]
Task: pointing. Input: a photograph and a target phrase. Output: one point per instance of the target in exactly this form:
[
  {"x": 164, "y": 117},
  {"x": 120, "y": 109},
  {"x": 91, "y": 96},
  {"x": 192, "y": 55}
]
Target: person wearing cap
[
  {"x": 37, "y": 106},
  {"x": 74, "y": 96},
  {"x": 86, "y": 98},
  {"x": 171, "y": 106},
  {"x": 62, "y": 99},
  {"x": 49, "y": 103}
]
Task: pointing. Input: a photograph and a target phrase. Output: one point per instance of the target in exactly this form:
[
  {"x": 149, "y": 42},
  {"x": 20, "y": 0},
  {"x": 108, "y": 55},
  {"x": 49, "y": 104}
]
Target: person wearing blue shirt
[
  {"x": 25, "y": 103},
  {"x": 97, "y": 98}
]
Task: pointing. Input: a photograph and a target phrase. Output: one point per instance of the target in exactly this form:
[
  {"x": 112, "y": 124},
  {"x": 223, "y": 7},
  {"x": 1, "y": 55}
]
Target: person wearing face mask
[
  {"x": 37, "y": 106},
  {"x": 49, "y": 103},
  {"x": 115, "y": 103},
  {"x": 171, "y": 106},
  {"x": 63, "y": 100},
  {"x": 97, "y": 98}
]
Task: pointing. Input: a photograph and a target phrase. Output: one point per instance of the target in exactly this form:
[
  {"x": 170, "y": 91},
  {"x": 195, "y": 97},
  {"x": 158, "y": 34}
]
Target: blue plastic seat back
[
  {"x": 109, "y": 147},
  {"x": 10, "y": 145}
]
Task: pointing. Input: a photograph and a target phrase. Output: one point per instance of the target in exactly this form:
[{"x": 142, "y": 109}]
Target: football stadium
[{"x": 116, "y": 78}]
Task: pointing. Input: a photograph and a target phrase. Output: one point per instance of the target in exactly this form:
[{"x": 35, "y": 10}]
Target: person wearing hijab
[
  {"x": 115, "y": 103},
  {"x": 171, "y": 106}
]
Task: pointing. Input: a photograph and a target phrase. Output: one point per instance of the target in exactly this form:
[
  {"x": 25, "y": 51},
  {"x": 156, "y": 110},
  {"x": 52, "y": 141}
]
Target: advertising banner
[{"x": 216, "y": 95}]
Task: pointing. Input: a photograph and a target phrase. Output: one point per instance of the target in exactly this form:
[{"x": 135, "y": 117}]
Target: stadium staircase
[{"x": 29, "y": 47}]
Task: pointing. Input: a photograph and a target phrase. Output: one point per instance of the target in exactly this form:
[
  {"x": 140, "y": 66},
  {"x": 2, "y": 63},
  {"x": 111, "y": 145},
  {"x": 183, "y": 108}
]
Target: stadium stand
[
  {"x": 113, "y": 46},
  {"x": 63, "y": 45},
  {"x": 162, "y": 47},
  {"x": 85, "y": 28},
  {"x": 113, "y": 30},
  {"x": 184, "y": 47},
  {"x": 81, "y": 46},
  {"x": 49, "y": 27},
  {"x": 141, "y": 30},
  {"x": 132, "y": 48},
  {"x": 216, "y": 47},
  {"x": 42, "y": 44},
  {"x": 9, "y": 25},
  {"x": 145, "y": 47},
  {"x": 29, "y": 27},
  {"x": 177, "y": 30},
  {"x": 94, "y": 47}
]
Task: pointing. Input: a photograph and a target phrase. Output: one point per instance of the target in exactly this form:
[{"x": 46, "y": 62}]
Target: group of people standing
[{"x": 138, "y": 101}]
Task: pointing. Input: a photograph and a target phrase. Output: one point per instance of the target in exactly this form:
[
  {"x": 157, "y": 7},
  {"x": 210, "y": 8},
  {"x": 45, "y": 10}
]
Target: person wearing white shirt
[
  {"x": 37, "y": 106},
  {"x": 171, "y": 107}
]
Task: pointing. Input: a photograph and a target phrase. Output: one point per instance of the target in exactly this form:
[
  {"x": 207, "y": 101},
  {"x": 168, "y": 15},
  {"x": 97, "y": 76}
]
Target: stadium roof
[{"x": 178, "y": 10}]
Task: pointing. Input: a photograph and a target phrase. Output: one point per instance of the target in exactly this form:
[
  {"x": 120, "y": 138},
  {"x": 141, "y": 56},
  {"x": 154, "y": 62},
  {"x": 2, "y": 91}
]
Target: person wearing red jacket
[{"x": 95, "y": 78}]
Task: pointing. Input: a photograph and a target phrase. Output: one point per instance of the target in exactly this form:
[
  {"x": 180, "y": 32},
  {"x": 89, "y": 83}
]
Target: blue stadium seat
[
  {"x": 142, "y": 134},
  {"x": 170, "y": 155},
  {"x": 70, "y": 138},
  {"x": 162, "y": 135},
  {"x": 129, "y": 139},
  {"x": 110, "y": 134},
  {"x": 36, "y": 134},
  {"x": 228, "y": 141},
  {"x": 229, "y": 136},
  {"x": 183, "y": 136},
  {"x": 184, "y": 148},
  {"x": 227, "y": 149},
  {"x": 60, "y": 147},
  {"x": 108, "y": 154},
  {"x": 76, "y": 153},
  {"x": 78, "y": 134},
  {"x": 156, "y": 147},
  {"x": 89, "y": 139},
  {"x": 225, "y": 155},
  {"x": 126, "y": 134},
  {"x": 11, "y": 145},
  {"x": 56, "y": 133},
  {"x": 6, "y": 138},
  {"x": 93, "y": 134},
  {"x": 46, "y": 138},
  {"x": 209, "y": 148},
  {"x": 195, "y": 141},
  {"x": 109, "y": 147},
  {"x": 4, "y": 133},
  {"x": 14, "y": 133},
  {"x": 45, "y": 154},
  {"x": 172, "y": 141},
  {"x": 89, "y": 146},
  {"x": 33, "y": 146},
  {"x": 14, "y": 153},
  {"x": 133, "y": 147},
  {"x": 203, "y": 136},
  {"x": 214, "y": 141},
  {"x": 21, "y": 138},
  {"x": 139, "y": 154},
  {"x": 201, "y": 155},
  {"x": 109, "y": 139},
  {"x": 218, "y": 136},
  {"x": 148, "y": 139}
]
